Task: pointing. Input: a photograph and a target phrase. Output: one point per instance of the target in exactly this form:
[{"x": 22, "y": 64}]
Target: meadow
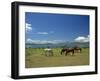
[{"x": 35, "y": 57}]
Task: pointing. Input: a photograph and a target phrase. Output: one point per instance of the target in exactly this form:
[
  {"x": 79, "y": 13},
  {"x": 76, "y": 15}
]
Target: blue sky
[{"x": 47, "y": 27}]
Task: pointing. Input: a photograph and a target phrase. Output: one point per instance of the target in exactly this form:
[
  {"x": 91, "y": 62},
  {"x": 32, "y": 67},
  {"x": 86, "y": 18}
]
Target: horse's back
[
  {"x": 48, "y": 52},
  {"x": 47, "y": 49}
]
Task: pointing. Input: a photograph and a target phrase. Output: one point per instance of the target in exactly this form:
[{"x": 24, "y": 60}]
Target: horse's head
[{"x": 76, "y": 47}]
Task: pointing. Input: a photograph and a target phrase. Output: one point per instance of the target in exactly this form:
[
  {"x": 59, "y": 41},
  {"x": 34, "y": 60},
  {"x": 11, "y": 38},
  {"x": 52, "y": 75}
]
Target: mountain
[{"x": 62, "y": 45}]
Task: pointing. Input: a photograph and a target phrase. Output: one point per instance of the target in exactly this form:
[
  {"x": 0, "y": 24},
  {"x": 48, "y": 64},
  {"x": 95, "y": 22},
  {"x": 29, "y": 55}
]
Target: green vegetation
[{"x": 35, "y": 57}]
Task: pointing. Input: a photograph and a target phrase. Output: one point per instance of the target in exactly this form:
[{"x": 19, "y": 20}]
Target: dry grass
[{"x": 35, "y": 58}]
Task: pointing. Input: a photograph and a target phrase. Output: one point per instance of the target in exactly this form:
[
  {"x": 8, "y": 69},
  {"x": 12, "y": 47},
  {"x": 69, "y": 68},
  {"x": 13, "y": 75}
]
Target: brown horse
[
  {"x": 77, "y": 49},
  {"x": 67, "y": 50}
]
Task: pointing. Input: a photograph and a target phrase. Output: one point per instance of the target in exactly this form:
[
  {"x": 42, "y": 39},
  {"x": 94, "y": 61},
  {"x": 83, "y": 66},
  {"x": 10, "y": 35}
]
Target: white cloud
[
  {"x": 29, "y": 40},
  {"x": 44, "y": 41},
  {"x": 43, "y": 33},
  {"x": 28, "y": 27},
  {"x": 82, "y": 39},
  {"x": 57, "y": 41}
]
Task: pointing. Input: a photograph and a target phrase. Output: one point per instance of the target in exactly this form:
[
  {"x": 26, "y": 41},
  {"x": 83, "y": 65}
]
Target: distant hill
[{"x": 62, "y": 45}]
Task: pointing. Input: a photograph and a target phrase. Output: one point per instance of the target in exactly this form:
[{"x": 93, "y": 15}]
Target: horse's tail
[{"x": 61, "y": 52}]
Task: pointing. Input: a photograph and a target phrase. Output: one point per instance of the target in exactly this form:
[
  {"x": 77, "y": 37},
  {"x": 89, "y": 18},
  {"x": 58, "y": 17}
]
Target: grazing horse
[
  {"x": 48, "y": 52},
  {"x": 77, "y": 49},
  {"x": 67, "y": 50}
]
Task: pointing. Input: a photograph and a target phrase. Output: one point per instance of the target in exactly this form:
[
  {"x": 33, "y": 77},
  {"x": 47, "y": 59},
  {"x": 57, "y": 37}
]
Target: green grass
[{"x": 35, "y": 57}]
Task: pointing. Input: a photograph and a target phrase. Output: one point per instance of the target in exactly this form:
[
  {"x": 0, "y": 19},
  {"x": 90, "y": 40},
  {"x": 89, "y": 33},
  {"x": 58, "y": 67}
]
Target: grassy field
[{"x": 35, "y": 57}]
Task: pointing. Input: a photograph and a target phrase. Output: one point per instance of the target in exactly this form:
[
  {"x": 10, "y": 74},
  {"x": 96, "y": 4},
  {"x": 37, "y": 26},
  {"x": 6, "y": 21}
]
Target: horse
[
  {"x": 77, "y": 49},
  {"x": 48, "y": 52},
  {"x": 67, "y": 50}
]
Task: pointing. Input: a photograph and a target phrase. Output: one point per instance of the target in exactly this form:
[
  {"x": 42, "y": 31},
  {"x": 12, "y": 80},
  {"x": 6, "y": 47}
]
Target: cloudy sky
[{"x": 56, "y": 28}]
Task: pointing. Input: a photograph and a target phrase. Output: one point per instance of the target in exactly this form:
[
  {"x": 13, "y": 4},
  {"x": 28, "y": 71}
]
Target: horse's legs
[
  {"x": 80, "y": 50},
  {"x": 72, "y": 52},
  {"x": 51, "y": 53},
  {"x": 66, "y": 53},
  {"x": 45, "y": 53}
]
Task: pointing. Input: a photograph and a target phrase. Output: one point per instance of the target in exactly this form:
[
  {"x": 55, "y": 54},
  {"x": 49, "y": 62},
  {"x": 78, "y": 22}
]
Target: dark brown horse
[
  {"x": 67, "y": 50},
  {"x": 77, "y": 49}
]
